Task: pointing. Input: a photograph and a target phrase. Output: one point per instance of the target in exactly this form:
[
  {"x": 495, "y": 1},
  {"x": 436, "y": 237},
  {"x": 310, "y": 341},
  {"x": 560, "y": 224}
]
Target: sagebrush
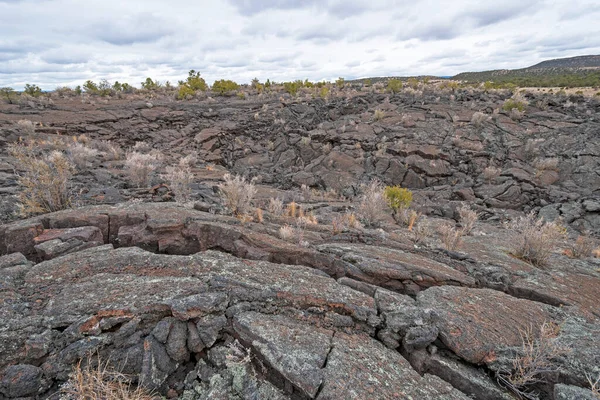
[
  {"x": 534, "y": 239},
  {"x": 237, "y": 194}
]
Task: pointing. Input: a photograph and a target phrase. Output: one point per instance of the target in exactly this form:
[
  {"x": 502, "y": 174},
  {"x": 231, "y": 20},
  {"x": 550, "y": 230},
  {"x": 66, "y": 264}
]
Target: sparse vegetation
[
  {"x": 514, "y": 104},
  {"x": 26, "y": 126},
  {"x": 533, "y": 360},
  {"x": 140, "y": 166},
  {"x": 179, "y": 179},
  {"x": 237, "y": 194},
  {"x": 491, "y": 173},
  {"x": 378, "y": 115},
  {"x": 468, "y": 218},
  {"x": 32, "y": 90},
  {"x": 275, "y": 206},
  {"x": 451, "y": 236},
  {"x": 583, "y": 247},
  {"x": 43, "y": 180},
  {"x": 534, "y": 239},
  {"x": 478, "y": 119},
  {"x": 394, "y": 85},
  {"x": 191, "y": 85},
  {"x": 81, "y": 155},
  {"x": 372, "y": 203},
  {"x": 398, "y": 199},
  {"x": 8, "y": 94},
  {"x": 345, "y": 221},
  {"x": 96, "y": 380}
]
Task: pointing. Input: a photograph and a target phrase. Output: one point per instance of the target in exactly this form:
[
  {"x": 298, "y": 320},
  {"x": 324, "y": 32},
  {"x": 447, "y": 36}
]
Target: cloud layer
[{"x": 65, "y": 42}]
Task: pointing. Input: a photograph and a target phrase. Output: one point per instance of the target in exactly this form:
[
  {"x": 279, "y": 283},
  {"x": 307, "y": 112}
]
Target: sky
[{"x": 54, "y": 43}]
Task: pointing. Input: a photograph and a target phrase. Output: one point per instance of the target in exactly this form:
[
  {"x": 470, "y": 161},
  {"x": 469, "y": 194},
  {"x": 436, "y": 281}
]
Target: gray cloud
[{"x": 57, "y": 42}]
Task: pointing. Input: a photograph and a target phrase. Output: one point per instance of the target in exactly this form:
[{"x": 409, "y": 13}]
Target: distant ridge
[{"x": 564, "y": 72}]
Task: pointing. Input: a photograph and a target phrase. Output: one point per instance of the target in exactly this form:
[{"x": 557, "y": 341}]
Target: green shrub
[
  {"x": 398, "y": 198},
  {"x": 512, "y": 104},
  {"x": 341, "y": 82},
  {"x": 149, "y": 84},
  {"x": 292, "y": 87},
  {"x": 9, "y": 94},
  {"x": 224, "y": 86},
  {"x": 324, "y": 92},
  {"x": 185, "y": 92},
  {"x": 394, "y": 85},
  {"x": 32, "y": 90},
  {"x": 413, "y": 83},
  {"x": 195, "y": 82},
  {"x": 105, "y": 88},
  {"x": 90, "y": 87}
]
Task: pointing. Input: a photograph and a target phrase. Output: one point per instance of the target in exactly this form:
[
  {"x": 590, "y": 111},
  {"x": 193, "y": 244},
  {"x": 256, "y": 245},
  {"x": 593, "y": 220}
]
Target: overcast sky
[{"x": 65, "y": 42}]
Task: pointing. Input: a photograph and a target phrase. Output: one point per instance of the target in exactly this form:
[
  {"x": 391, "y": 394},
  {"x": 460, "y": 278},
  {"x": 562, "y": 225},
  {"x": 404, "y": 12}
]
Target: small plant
[
  {"x": 478, "y": 119},
  {"x": 378, "y": 115},
  {"x": 394, "y": 85},
  {"x": 275, "y": 206},
  {"x": 514, "y": 104},
  {"x": 109, "y": 150},
  {"x": 345, "y": 221},
  {"x": 293, "y": 210},
  {"x": 340, "y": 82},
  {"x": 467, "y": 219},
  {"x": 81, "y": 155},
  {"x": 372, "y": 203},
  {"x": 179, "y": 179},
  {"x": 8, "y": 94},
  {"x": 535, "y": 239},
  {"x": 450, "y": 236},
  {"x": 534, "y": 359},
  {"x": 491, "y": 173},
  {"x": 26, "y": 126},
  {"x": 97, "y": 380},
  {"x": 140, "y": 166},
  {"x": 397, "y": 198},
  {"x": 44, "y": 180},
  {"x": 583, "y": 247},
  {"x": 420, "y": 230},
  {"x": 237, "y": 194},
  {"x": 287, "y": 232},
  {"x": 324, "y": 92}
]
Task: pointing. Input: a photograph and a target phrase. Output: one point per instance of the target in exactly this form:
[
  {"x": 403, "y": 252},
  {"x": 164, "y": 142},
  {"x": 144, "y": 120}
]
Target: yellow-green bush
[
  {"x": 394, "y": 85},
  {"x": 397, "y": 197},
  {"x": 512, "y": 104},
  {"x": 224, "y": 86}
]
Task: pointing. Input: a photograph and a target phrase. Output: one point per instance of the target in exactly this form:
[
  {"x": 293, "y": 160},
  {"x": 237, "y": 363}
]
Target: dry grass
[
  {"x": 43, "y": 180},
  {"x": 345, "y": 221},
  {"x": 450, "y": 236},
  {"x": 237, "y": 194},
  {"x": 100, "y": 382},
  {"x": 420, "y": 230},
  {"x": 179, "y": 179},
  {"x": 287, "y": 232},
  {"x": 535, "y": 239},
  {"x": 108, "y": 149},
  {"x": 468, "y": 218},
  {"x": 140, "y": 166},
  {"x": 26, "y": 126},
  {"x": 378, "y": 115},
  {"x": 81, "y": 155},
  {"x": 258, "y": 213},
  {"x": 583, "y": 247},
  {"x": 491, "y": 173},
  {"x": 534, "y": 359},
  {"x": 275, "y": 206},
  {"x": 293, "y": 210},
  {"x": 479, "y": 118},
  {"x": 372, "y": 203}
]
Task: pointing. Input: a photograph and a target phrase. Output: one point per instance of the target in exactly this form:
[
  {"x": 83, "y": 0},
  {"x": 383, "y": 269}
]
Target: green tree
[
  {"x": 9, "y": 94},
  {"x": 32, "y": 90}
]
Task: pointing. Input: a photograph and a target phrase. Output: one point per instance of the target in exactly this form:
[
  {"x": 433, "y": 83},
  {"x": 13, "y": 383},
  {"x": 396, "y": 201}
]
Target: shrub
[
  {"x": 292, "y": 87},
  {"x": 100, "y": 382},
  {"x": 450, "y": 236},
  {"x": 223, "y": 87},
  {"x": 344, "y": 221},
  {"x": 535, "y": 358},
  {"x": 8, "y": 94},
  {"x": 287, "y": 232},
  {"x": 491, "y": 173},
  {"x": 185, "y": 93},
  {"x": 420, "y": 230},
  {"x": 340, "y": 82},
  {"x": 583, "y": 247},
  {"x": 44, "y": 180},
  {"x": 534, "y": 239},
  {"x": 179, "y": 179},
  {"x": 237, "y": 194},
  {"x": 108, "y": 149},
  {"x": 140, "y": 166},
  {"x": 372, "y": 203},
  {"x": 394, "y": 85},
  {"x": 195, "y": 82},
  {"x": 81, "y": 155},
  {"x": 397, "y": 198},
  {"x": 149, "y": 84},
  {"x": 32, "y": 90},
  {"x": 467, "y": 218},
  {"x": 90, "y": 87},
  {"x": 478, "y": 118},
  {"x": 378, "y": 115},
  {"x": 275, "y": 206},
  {"x": 514, "y": 104},
  {"x": 26, "y": 126},
  {"x": 324, "y": 92}
]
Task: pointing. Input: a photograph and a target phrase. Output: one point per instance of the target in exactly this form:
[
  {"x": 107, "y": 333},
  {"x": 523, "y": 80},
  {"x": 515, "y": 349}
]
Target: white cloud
[{"x": 58, "y": 42}]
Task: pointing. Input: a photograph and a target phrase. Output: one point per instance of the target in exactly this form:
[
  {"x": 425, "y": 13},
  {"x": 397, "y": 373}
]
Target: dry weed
[
  {"x": 378, "y": 115},
  {"x": 108, "y": 150},
  {"x": 287, "y": 232},
  {"x": 179, "y": 179},
  {"x": 535, "y": 239},
  {"x": 259, "y": 215},
  {"x": 345, "y": 221},
  {"x": 100, "y": 382},
  {"x": 372, "y": 203},
  {"x": 491, "y": 173},
  {"x": 237, "y": 194},
  {"x": 468, "y": 218},
  {"x": 534, "y": 359},
  {"x": 450, "y": 236},
  {"x": 583, "y": 247},
  {"x": 26, "y": 126},
  {"x": 81, "y": 155},
  {"x": 275, "y": 206},
  {"x": 44, "y": 180},
  {"x": 420, "y": 231},
  {"x": 140, "y": 166},
  {"x": 479, "y": 118}
]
